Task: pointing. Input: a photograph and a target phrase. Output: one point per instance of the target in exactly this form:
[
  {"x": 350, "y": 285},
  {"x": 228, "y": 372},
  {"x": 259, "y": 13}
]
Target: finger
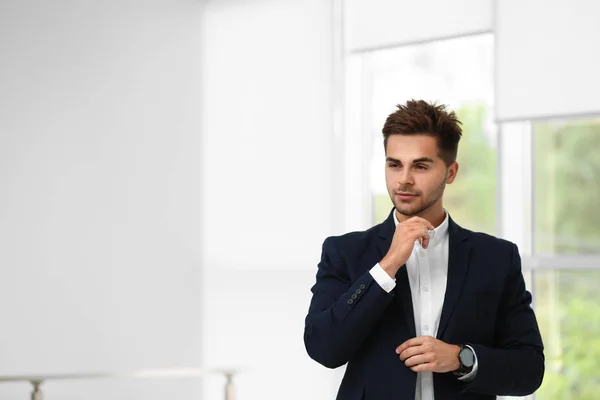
[
  {"x": 418, "y": 222},
  {"x": 425, "y": 241},
  {"x": 420, "y": 234},
  {"x": 417, "y": 341},
  {"x": 410, "y": 352},
  {"x": 424, "y": 348},
  {"x": 427, "y": 367},
  {"x": 419, "y": 229},
  {"x": 417, "y": 345},
  {"x": 405, "y": 345},
  {"x": 418, "y": 359},
  {"x": 423, "y": 221}
]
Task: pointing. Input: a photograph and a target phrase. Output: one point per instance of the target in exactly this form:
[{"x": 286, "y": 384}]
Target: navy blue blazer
[{"x": 486, "y": 306}]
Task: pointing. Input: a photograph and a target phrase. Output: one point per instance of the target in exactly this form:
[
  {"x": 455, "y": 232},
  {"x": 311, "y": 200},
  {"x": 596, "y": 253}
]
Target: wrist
[
  {"x": 390, "y": 266},
  {"x": 456, "y": 352},
  {"x": 465, "y": 359}
]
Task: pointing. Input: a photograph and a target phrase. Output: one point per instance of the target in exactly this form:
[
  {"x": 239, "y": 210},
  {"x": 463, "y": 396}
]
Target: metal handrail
[{"x": 37, "y": 380}]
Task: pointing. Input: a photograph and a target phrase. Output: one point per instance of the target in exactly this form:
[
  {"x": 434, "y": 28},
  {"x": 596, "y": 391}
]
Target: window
[
  {"x": 567, "y": 236},
  {"x": 567, "y": 187},
  {"x": 567, "y": 305}
]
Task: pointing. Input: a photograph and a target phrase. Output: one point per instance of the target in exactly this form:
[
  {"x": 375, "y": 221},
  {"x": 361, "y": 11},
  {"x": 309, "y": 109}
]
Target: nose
[{"x": 405, "y": 177}]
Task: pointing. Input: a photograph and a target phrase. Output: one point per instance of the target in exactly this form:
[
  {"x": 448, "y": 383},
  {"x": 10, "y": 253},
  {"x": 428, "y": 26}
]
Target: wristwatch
[{"x": 466, "y": 358}]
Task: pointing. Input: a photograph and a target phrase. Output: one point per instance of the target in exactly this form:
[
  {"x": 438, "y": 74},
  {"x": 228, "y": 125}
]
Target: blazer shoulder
[
  {"x": 353, "y": 241},
  {"x": 491, "y": 242}
]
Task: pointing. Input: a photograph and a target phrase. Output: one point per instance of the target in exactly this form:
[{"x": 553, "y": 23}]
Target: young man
[{"x": 419, "y": 307}]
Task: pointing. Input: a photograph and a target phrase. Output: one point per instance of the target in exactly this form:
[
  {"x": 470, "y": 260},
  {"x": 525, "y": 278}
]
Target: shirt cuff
[
  {"x": 471, "y": 375},
  {"x": 382, "y": 278}
]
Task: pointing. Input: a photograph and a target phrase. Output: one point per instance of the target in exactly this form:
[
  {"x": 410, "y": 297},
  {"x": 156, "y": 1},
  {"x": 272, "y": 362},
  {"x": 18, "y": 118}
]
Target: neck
[{"x": 434, "y": 214}]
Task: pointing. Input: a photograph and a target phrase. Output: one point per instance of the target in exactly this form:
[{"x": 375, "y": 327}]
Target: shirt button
[
  {"x": 422, "y": 253},
  {"x": 425, "y": 328},
  {"x": 426, "y": 289}
]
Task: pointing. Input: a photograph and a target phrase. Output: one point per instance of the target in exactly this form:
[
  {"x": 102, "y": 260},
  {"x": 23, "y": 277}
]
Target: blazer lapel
[
  {"x": 458, "y": 265},
  {"x": 386, "y": 234},
  {"x": 402, "y": 289},
  {"x": 403, "y": 293}
]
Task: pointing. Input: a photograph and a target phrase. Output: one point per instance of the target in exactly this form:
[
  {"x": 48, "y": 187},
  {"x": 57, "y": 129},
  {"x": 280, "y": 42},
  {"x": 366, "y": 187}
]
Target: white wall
[
  {"x": 267, "y": 108},
  {"x": 100, "y": 187},
  {"x": 377, "y": 24},
  {"x": 267, "y": 189}
]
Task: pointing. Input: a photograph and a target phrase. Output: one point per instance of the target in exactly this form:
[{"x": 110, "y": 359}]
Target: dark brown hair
[{"x": 420, "y": 117}]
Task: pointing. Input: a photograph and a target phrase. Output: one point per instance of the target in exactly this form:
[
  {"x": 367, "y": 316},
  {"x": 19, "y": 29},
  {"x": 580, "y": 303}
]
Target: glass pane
[
  {"x": 567, "y": 187},
  {"x": 458, "y": 73},
  {"x": 567, "y": 304}
]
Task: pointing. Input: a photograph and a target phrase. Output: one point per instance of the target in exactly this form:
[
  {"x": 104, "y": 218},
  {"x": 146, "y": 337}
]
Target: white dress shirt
[{"x": 427, "y": 274}]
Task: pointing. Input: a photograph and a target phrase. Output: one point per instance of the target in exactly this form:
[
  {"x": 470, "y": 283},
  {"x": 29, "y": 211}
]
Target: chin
[{"x": 408, "y": 211}]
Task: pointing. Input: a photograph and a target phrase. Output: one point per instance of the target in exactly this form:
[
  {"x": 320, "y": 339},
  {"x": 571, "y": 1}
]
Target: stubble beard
[{"x": 418, "y": 209}]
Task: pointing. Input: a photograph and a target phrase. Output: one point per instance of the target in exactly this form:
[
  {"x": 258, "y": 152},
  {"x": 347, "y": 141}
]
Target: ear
[{"x": 452, "y": 172}]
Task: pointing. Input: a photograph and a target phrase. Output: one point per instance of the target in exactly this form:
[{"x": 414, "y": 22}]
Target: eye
[
  {"x": 421, "y": 167},
  {"x": 393, "y": 165}
]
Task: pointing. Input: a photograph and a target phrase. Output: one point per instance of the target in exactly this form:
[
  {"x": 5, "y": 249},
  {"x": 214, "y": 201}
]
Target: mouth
[{"x": 405, "y": 196}]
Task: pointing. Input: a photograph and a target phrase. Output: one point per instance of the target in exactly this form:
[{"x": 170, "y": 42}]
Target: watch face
[{"x": 466, "y": 357}]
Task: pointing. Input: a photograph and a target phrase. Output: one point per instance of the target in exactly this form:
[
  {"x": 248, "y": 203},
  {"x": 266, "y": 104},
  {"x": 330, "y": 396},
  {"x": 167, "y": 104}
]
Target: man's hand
[
  {"x": 428, "y": 354},
  {"x": 414, "y": 228}
]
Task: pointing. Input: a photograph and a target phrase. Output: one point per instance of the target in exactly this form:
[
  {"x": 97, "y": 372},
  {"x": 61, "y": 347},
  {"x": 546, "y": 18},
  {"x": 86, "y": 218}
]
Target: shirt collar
[{"x": 435, "y": 235}]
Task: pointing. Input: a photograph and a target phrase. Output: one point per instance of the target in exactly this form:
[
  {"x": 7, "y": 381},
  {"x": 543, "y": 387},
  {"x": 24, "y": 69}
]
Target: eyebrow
[{"x": 418, "y": 160}]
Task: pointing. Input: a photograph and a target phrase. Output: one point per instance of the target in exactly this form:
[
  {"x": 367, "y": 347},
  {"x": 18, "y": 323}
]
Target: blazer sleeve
[
  {"x": 515, "y": 366},
  {"x": 342, "y": 313}
]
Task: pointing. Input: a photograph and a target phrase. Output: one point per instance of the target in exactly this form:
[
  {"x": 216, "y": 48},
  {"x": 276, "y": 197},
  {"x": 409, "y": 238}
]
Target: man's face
[{"x": 415, "y": 174}]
